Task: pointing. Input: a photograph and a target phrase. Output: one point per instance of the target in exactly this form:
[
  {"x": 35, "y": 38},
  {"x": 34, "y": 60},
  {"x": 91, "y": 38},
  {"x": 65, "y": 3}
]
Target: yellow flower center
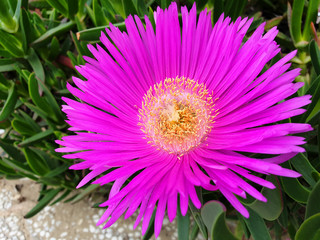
[{"x": 177, "y": 114}]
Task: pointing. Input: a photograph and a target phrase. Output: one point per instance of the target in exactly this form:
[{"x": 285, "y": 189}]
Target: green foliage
[
  {"x": 213, "y": 215},
  {"x": 271, "y": 209},
  {"x": 42, "y": 40},
  {"x": 183, "y": 225}
]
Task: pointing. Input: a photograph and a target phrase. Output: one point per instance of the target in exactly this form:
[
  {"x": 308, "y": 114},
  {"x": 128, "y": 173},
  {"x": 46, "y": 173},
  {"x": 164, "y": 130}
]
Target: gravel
[{"x": 63, "y": 221}]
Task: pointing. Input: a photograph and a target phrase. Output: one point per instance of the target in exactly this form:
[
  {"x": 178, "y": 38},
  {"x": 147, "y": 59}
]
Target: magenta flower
[{"x": 165, "y": 110}]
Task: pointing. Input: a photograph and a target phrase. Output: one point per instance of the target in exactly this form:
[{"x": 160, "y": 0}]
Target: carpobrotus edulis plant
[{"x": 169, "y": 109}]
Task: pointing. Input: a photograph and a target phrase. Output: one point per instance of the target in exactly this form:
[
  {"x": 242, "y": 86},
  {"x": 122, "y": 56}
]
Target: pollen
[{"x": 177, "y": 114}]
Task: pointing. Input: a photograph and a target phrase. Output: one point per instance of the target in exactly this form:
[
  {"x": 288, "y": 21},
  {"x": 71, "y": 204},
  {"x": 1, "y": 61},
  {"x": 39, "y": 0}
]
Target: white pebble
[
  {"x": 92, "y": 228},
  {"x": 64, "y": 234},
  {"x": 165, "y": 221},
  {"x": 108, "y": 235}
]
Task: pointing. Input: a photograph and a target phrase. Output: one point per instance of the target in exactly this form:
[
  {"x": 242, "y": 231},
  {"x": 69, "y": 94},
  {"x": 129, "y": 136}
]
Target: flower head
[
  {"x": 166, "y": 110},
  {"x": 177, "y": 115}
]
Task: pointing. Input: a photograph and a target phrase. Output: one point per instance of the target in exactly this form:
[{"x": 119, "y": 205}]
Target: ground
[{"x": 63, "y": 221}]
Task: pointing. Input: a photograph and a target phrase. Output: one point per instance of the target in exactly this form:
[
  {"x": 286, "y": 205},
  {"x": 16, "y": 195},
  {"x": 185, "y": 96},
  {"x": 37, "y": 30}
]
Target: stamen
[{"x": 177, "y": 114}]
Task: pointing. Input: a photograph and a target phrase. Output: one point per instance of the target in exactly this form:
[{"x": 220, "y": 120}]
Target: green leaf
[
  {"x": 50, "y": 195},
  {"x": 283, "y": 218},
  {"x": 34, "y": 94},
  {"x": 107, "y": 4},
  {"x": 10, "y": 22},
  {"x": 10, "y": 103},
  {"x": 81, "y": 8},
  {"x": 21, "y": 167},
  {"x": 13, "y": 152},
  {"x": 235, "y": 9},
  {"x": 141, "y": 7},
  {"x": 313, "y": 107},
  {"x": 165, "y": 3},
  {"x": 47, "y": 104},
  {"x": 313, "y": 206},
  {"x": 318, "y": 138},
  {"x": 86, "y": 191},
  {"x": 312, "y": 14},
  {"x": 150, "y": 230},
  {"x": 72, "y": 8},
  {"x": 273, "y": 22},
  {"x": 196, "y": 214},
  {"x": 257, "y": 226},
  {"x": 39, "y": 4},
  {"x": 54, "y": 106},
  {"x": 63, "y": 196},
  {"x": 11, "y": 44},
  {"x": 255, "y": 24},
  {"x": 36, "y": 65},
  {"x": 295, "y": 19},
  {"x": 61, "y": 6},
  {"x": 57, "y": 171},
  {"x": 213, "y": 215},
  {"x": 294, "y": 188},
  {"x": 24, "y": 74},
  {"x": 7, "y": 63},
  {"x": 315, "y": 56},
  {"x": 220, "y": 230},
  {"x": 151, "y": 18},
  {"x": 77, "y": 44},
  {"x": 210, "y": 211},
  {"x": 129, "y": 7},
  {"x": 194, "y": 232},
  {"x": 200, "y": 3},
  {"x": 93, "y": 34},
  {"x": 54, "y": 49},
  {"x": 109, "y": 10},
  {"x": 183, "y": 225},
  {"x": 199, "y": 221},
  {"x": 22, "y": 127},
  {"x": 45, "y": 38},
  {"x": 52, "y": 181},
  {"x": 25, "y": 29},
  {"x": 271, "y": 209},
  {"x": 7, "y": 68},
  {"x": 37, "y": 110},
  {"x": 36, "y": 138},
  {"x": 310, "y": 229},
  {"x": 90, "y": 13},
  {"x": 303, "y": 166},
  {"x": 6, "y": 169},
  {"x": 36, "y": 162},
  {"x": 32, "y": 123},
  {"x": 52, "y": 159},
  {"x": 98, "y": 15}
]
